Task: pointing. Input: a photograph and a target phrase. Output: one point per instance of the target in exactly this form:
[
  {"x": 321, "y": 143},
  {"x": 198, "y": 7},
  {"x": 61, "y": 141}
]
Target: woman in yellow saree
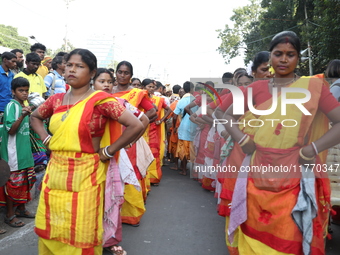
[
  {"x": 281, "y": 200},
  {"x": 69, "y": 218}
]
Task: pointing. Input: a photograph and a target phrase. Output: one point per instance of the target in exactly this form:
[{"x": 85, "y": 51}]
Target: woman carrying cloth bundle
[
  {"x": 69, "y": 218},
  {"x": 283, "y": 211}
]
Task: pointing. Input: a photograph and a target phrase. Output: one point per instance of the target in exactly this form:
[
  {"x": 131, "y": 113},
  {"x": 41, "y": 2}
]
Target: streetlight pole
[
  {"x": 309, "y": 50},
  {"x": 66, "y": 27},
  {"x": 33, "y": 38}
]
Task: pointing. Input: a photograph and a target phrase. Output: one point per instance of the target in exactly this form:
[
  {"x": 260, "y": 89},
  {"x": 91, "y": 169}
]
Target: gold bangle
[
  {"x": 304, "y": 157},
  {"x": 246, "y": 140}
]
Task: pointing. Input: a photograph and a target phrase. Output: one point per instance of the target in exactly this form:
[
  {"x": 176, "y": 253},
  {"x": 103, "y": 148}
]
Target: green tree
[
  {"x": 320, "y": 29},
  {"x": 324, "y": 27},
  {"x": 10, "y": 38},
  {"x": 233, "y": 39}
]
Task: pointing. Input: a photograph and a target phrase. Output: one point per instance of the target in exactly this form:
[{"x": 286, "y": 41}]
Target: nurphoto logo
[{"x": 304, "y": 96}]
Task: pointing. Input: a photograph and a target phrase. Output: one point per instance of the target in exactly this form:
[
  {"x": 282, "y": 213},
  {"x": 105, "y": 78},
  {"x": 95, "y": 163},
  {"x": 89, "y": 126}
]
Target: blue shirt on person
[
  {"x": 5, "y": 87},
  {"x": 187, "y": 129},
  {"x": 59, "y": 86}
]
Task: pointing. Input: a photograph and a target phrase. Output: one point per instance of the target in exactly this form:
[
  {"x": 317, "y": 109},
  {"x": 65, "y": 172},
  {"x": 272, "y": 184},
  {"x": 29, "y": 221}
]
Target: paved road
[{"x": 181, "y": 219}]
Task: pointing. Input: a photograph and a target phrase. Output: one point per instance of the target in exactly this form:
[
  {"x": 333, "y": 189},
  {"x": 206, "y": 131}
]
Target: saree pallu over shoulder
[
  {"x": 73, "y": 133},
  {"x": 292, "y": 129},
  {"x": 133, "y": 96}
]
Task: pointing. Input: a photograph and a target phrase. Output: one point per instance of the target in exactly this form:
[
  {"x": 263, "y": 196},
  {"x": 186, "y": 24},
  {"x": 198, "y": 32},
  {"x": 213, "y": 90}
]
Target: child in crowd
[{"x": 16, "y": 151}]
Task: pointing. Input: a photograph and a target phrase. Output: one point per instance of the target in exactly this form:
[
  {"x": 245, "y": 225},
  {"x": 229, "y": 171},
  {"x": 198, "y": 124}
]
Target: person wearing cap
[{"x": 47, "y": 61}]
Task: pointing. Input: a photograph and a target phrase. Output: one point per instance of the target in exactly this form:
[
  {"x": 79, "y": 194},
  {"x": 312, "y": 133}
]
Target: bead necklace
[
  {"x": 68, "y": 104},
  {"x": 283, "y": 84}
]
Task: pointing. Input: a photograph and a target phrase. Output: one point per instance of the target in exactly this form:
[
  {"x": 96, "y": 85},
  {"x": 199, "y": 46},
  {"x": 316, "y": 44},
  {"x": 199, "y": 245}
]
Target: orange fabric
[
  {"x": 183, "y": 149},
  {"x": 133, "y": 96},
  {"x": 173, "y": 140}
]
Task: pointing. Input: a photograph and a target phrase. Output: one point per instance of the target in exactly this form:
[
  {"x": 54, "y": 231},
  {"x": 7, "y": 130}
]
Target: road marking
[{"x": 9, "y": 240}]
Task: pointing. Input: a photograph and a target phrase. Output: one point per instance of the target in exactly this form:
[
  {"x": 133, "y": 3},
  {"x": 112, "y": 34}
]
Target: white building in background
[
  {"x": 3, "y": 49},
  {"x": 103, "y": 46}
]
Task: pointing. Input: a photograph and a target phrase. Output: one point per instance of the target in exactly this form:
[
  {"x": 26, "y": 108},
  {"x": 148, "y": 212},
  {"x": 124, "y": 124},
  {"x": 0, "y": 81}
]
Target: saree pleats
[
  {"x": 133, "y": 207},
  {"x": 271, "y": 196}
]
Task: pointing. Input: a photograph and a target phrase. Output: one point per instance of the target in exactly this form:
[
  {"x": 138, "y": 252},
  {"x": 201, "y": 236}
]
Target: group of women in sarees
[
  {"x": 105, "y": 155},
  {"x": 97, "y": 177},
  {"x": 273, "y": 188}
]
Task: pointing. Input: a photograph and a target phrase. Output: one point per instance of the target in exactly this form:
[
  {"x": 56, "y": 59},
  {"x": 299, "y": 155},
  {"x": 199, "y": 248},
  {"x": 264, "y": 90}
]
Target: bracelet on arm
[
  {"x": 245, "y": 141},
  {"x": 304, "y": 157},
  {"x": 47, "y": 139},
  {"x": 315, "y": 149},
  {"x": 106, "y": 153},
  {"x": 242, "y": 139}
]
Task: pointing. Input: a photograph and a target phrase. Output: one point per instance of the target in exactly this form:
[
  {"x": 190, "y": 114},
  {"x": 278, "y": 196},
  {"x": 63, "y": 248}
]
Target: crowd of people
[{"x": 101, "y": 136}]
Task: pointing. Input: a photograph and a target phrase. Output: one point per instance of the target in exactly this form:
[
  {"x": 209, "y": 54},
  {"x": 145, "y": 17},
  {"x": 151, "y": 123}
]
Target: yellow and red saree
[
  {"x": 173, "y": 140},
  {"x": 156, "y": 142},
  {"x": 271, "y": 197},
  {"x": 69, "y": 218},
  {"x": 133, "y": 207}
]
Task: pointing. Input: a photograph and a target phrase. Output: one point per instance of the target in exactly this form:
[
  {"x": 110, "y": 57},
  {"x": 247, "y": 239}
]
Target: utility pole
[
  {"x": 66, "y": 28},
  {"x": 309, "y": 49},
  {"x": 147, "y": 75}
]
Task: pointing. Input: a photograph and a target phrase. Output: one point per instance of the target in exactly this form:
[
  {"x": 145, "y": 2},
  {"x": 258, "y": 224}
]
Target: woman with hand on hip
[
  {"x": 267, "y": 206},
  {"x": 69, "y": 218}
]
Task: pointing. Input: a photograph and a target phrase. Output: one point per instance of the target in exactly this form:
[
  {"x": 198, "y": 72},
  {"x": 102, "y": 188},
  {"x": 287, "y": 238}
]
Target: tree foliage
[
  {"x": 70, "y": 47},
  {"x": 244, "y": 19},
  {"x": 254, "y": 32},
  {"x": 10, "y": 38}
]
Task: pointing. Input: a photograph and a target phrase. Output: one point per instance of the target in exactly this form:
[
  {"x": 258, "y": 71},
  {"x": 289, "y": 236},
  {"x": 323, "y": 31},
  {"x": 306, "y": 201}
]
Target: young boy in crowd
[{"x": 16, "y": 151}]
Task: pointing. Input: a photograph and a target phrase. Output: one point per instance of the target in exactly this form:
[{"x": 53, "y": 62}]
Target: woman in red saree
[
  {"x": 118, "y": 172},
  {"x": 285, "y": 210},
  {"x": 156, "y": 132},
  {"x": 133, "y": 207},
  {"x": 69, "y": 218}
]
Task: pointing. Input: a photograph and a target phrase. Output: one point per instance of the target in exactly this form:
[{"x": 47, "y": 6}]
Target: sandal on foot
[
  {"x": 15, "y": 224},
  {"x": 24, "y": 214},
  {"x": 116, "y": 250},
  {"x": 2, "y": 231},
  {"x": 39, "y": 168}
]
